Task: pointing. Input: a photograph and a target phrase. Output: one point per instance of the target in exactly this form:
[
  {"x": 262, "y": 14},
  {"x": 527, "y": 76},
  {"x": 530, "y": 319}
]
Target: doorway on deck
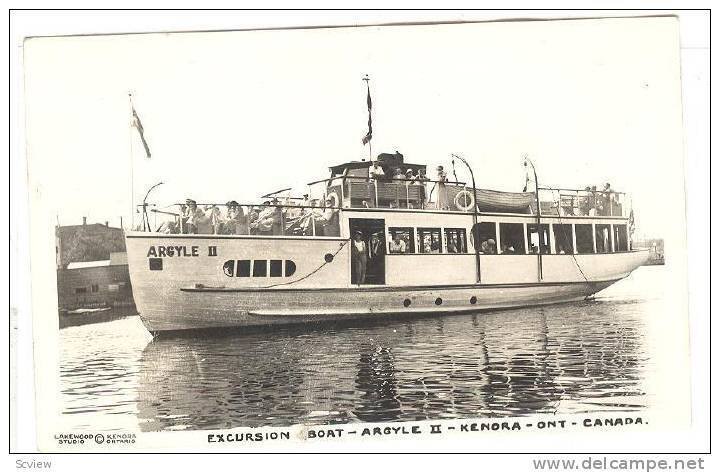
[{"x": 372, "y": 232}]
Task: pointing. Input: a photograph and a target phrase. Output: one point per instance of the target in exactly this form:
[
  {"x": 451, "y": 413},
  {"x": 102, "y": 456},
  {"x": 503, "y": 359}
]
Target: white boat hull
[{"x": 191, "y": 292}]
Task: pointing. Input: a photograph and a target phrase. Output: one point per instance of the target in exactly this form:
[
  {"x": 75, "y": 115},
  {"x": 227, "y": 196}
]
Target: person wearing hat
[
  {"x": 215, "y": 219},
  {"x": 358, "y": 257},
  {"x": 442, "y": 198},
  {"x": 609, "y": 200},
  {"x": 584, "y": 207},
  {"x": 194, "y": 218},
  {"x": 236, "y": 223}
]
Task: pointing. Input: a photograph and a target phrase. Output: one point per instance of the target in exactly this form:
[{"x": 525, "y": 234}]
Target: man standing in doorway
[{"x": 359, "y": 258}]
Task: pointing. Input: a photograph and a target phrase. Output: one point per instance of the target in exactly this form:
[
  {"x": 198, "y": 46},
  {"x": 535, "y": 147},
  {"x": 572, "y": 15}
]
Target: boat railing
[
  {"x": 277, "y": 218},
  {"x": 391, "y": 192},
  {"x": 585, "y": 202}
]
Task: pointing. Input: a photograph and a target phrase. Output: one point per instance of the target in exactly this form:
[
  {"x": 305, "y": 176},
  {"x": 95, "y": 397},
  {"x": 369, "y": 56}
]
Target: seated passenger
[
  {"x": 327, "y": 219},
  {"x": 398, "y": 174},
  {"x": 195, "y": 219},
  {"x": 236, "y": 223},
  {"x": 268, "y": 220},
  {"x": 508, "y": 249},
  {"x": 452, "y": 244},
  {"x": 409, "y": 176},
  {"x": 169, "y": 228},
  {"x": 397, "y": 244},
  {"x": 253, "y": 215},
  {"x": 487, "y": 247}
]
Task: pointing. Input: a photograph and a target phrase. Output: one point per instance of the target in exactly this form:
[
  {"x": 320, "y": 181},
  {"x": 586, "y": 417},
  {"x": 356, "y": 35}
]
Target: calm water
[{"x": 573, "y": 358}]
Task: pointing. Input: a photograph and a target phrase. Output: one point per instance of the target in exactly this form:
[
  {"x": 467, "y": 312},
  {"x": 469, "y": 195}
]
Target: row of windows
[
  {"x": 511, "y": 238},
  {"x": 429, "y": 240},
  {"x": 96, "y": 288},
  {"x": 244, "y": 268}
]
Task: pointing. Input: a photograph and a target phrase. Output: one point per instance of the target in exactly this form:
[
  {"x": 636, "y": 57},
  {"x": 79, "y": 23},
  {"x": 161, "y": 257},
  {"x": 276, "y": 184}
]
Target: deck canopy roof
[{"x": 388, "y": 161}]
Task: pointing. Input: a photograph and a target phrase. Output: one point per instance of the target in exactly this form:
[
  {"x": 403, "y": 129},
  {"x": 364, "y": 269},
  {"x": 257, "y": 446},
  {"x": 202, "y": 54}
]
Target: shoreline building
[{"x": 92, "y": 269}]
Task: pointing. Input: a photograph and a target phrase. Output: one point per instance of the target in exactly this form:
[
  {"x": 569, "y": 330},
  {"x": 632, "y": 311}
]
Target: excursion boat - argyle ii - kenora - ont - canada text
[{"x": 376, "y": 239}]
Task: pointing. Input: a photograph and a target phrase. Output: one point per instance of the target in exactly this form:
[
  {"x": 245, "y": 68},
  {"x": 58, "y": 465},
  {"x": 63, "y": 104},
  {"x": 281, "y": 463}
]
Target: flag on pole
[
  {"x": 138, "y": 125},
  {"x": 368, "y": 136}
]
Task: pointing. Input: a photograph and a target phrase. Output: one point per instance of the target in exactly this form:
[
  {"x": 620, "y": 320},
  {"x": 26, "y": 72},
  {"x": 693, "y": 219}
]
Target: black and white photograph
[{"x": 462, "y": 232}]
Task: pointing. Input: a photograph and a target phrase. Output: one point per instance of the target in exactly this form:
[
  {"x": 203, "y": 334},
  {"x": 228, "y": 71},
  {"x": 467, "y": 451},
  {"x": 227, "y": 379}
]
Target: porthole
[
  {"x": 229, "y": 268},
  {"x": 407, "y": 302},
  {"x": 473, "y": 300},
  {"x": 438, "y": 301},
  {"x": 329, "y": 257},
  {"x": 289, "y": 268}
]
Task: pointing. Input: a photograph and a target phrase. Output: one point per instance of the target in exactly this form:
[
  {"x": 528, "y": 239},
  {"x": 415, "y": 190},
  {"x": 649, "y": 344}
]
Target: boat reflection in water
[{"x": 586, "y": 357}]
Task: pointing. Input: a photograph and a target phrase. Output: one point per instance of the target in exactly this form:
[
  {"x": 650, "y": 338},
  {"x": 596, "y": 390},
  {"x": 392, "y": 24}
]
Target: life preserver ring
[
  {"x": 464, "y": 196},
  {"x": 334, "y": 197}
]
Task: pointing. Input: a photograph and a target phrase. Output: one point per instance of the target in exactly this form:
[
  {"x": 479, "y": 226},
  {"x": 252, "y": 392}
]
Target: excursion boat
[{"x": 429, "y": 247}]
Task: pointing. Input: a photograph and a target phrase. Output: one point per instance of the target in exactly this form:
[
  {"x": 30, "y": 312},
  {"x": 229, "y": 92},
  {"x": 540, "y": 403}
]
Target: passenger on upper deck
[
  {"x": 584, "y": 206},
  {"x": 236, "y": 223},
  {"x": 609, "y": 200},
  {"x": 398, "y": 174},
  {"x": 442, "y": 197},
  {"x": 376, "y": 171},
  {"x": 253, "y": 215},
  {"x": 195, "y": 219},
  {"x": 215, "y": 219},
  {"x": 421, "y": 178}
]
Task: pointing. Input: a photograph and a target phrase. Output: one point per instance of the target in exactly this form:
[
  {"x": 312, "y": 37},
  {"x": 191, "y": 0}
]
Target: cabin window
[
  {"x": 259, "y": 268},
  {"x": 455, "y": 240},
  {"x": 602, "y": 239},
  {"x": 538, "y": 240},
  {"x": 484, "y": 238},
  {"x": 404, "y": 235},
  {"x": 94, "y": 288},
  {"x": 512, "y": 239},
  {"x": 621, "y": 239},
  {"x": 563, "y": 239},
  {"x": 584, "y": 238},
  {"x": 243, "y": 268},
  {"x": 429, "y": 240},
  {"x": 276, "y": 268},
  {"x": 80, "y": 290}
]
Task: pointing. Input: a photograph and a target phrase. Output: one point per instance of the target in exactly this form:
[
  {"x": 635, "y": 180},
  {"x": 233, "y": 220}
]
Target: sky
[{"x": 234, "y": 115}]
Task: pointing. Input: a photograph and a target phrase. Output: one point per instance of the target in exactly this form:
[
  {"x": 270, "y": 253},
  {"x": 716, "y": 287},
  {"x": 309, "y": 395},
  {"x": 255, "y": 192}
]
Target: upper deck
[{"x": 397, "y": 188}]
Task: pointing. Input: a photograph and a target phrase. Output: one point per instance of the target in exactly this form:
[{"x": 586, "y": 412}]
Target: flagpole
[
  {"x": 132, "y": 166},
  {"x": 369, "y": 135}
]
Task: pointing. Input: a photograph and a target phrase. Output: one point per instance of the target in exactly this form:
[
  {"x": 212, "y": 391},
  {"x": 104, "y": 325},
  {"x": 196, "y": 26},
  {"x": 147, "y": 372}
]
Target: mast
[
  {"x": 132, "y": 166},
  {"x": 475, "y": 216},
  {"x": 539, "y": 230}
]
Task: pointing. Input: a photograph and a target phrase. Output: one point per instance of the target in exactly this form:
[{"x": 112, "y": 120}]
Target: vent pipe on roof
[{"x": 84, "y": 220}]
